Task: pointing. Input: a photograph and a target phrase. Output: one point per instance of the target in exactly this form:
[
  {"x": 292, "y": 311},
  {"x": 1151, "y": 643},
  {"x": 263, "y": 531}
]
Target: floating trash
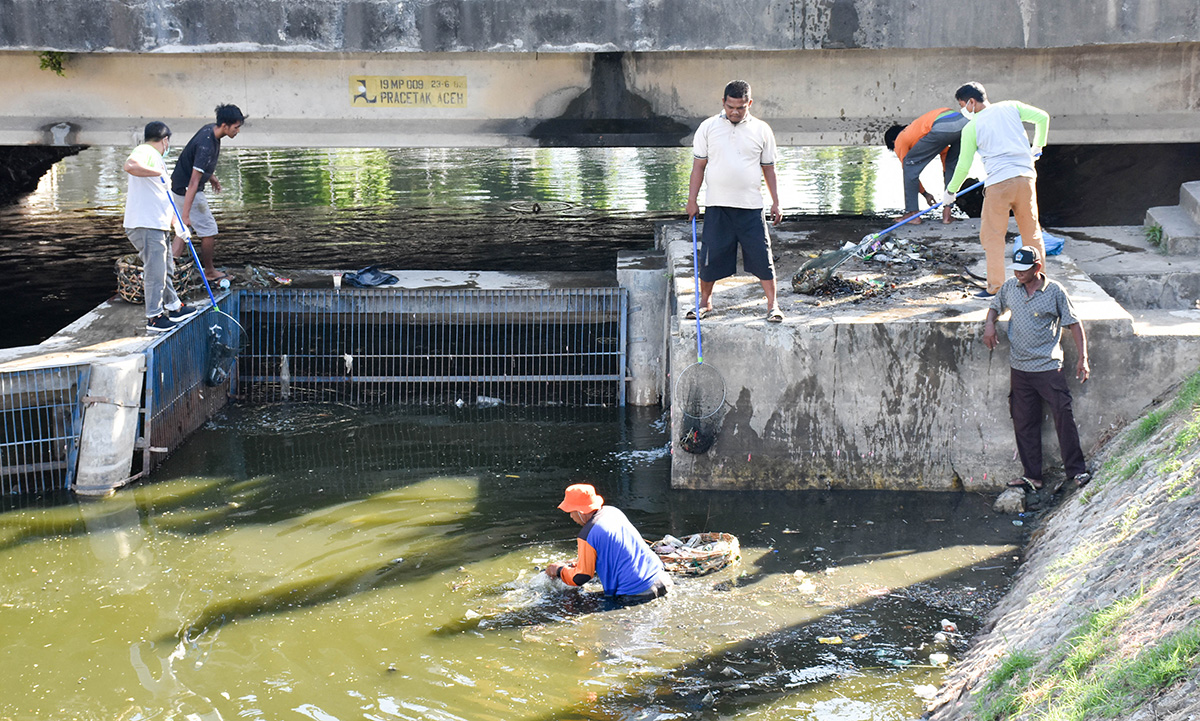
[
  {"x": 699, "y": 553},
  {"x": 533, "y": 207}
]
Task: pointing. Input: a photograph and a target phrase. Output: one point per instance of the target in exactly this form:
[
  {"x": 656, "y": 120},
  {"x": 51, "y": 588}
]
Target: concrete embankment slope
[{"x": 1104, "y": 617}]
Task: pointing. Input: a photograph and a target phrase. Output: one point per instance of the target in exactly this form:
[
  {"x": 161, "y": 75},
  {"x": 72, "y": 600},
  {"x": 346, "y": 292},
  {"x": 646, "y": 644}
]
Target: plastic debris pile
[{"x": 699, "y": 553}]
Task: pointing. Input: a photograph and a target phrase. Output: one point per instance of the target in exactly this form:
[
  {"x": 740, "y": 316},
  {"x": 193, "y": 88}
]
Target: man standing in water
[
  {"x": 611, "y": 549},
  {"x": 149, "y": 218},
  {"x": 1040, "y": 309},
  {"x": 733, "y": 153},
  {"x": 934, "y": 133},
  {"x": 997, "y": 132},
  {"x": 198, "y": 165}
]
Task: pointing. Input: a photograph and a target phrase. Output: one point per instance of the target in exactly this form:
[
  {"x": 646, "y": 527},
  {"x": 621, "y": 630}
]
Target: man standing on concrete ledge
[
  {"x": 997, "y": 132},
  {"x": 935, "y": 133},
  {"x": 148, "y": 222},
  {"x": 197, "y": 166},
  {"x": 733, "y": 153},
  {"x": 1040, "y": 309}
]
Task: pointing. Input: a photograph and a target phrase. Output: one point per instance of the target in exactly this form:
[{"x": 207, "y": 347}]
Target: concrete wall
[
  {"x": 1105, "y": 95},
  {"x": 914, "y": 403},
  {"x": 573, "y": 26}
]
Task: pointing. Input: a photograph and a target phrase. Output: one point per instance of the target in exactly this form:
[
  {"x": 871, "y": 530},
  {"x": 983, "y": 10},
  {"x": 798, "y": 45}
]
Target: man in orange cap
[{"x": 611, "y": 549}]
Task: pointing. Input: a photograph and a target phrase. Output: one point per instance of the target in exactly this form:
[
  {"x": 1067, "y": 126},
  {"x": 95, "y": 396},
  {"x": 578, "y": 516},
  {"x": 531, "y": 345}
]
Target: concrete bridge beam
[
  {"x": 1096, "y": 95},
  {"x": 373, "y": 26}
]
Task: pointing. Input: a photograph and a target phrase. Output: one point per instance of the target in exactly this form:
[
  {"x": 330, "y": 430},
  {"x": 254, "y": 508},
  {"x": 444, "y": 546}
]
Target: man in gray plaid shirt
[{"x": 1040, "y": 310}]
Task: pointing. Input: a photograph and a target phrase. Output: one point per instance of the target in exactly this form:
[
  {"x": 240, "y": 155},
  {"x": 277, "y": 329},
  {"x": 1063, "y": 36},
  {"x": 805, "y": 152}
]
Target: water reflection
[
  {"x": 812, "y": 180},
  {"x": 338, "y": 564},
  {"x": 415, "y": 208}
]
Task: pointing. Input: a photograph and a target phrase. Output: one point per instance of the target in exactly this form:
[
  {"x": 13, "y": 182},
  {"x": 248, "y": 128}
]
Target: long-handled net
[
  {"x": 226, "y": 336},
  {"x": 700, "y": 393},
  {"x": 700, "y": 388}
]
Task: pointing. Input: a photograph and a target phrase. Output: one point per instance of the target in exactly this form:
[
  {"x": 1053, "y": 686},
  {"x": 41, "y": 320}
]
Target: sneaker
[
  {"x": 183, "y": 312},
  {"x": 983, "y": 294},
  {"x": 159, "y": 324}
]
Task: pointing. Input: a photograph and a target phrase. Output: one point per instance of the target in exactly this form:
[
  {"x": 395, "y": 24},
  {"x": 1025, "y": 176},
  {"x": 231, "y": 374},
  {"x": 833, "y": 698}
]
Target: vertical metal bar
[{"x": 622, "y": 345}]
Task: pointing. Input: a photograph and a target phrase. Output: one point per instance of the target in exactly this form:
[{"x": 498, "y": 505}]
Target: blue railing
[
  {"x": 178, "y": 397},
  {"x": 41, "y": 418}
]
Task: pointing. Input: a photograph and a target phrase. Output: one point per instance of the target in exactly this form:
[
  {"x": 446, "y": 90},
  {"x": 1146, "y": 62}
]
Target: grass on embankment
[{"x": 1089, "y": 679}]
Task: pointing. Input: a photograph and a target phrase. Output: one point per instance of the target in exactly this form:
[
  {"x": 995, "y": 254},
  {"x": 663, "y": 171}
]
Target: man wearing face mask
[
  {"x": 149, "y": 218},
  {"x": 997, "y": 131}
]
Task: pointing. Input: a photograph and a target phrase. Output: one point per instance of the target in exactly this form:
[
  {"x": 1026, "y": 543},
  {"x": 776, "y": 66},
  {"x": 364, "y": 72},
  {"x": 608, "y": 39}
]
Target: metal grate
[
  {"x": 41, "y": 418},
  {"x": 561, "y": 346},
  {"x": 176, "y": 398}
]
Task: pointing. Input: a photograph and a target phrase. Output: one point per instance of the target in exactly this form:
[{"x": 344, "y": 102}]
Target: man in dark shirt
[{"x": 196, "y": 166}]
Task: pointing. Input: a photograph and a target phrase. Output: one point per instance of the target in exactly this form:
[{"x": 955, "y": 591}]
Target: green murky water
[{"x": 296, "y": 562}]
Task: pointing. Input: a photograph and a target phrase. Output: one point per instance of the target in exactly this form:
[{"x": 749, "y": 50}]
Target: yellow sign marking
[{"x": 408, "y": 91}]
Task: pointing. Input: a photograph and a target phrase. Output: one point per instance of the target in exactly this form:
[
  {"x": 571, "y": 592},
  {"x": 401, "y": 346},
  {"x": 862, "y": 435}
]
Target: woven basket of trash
[
  {"x": 130, "y": 285},
  {"x": 699, "y": 553}
]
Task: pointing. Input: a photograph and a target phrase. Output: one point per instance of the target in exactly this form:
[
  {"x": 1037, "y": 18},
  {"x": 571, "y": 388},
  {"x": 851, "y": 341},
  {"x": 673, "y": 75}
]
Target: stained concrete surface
[{"x": 894, "y": 388}]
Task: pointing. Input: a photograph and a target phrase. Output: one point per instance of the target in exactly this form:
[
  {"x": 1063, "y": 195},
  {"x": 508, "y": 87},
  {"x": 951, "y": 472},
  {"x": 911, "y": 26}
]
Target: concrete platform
[{"x": 897, "y": 391}]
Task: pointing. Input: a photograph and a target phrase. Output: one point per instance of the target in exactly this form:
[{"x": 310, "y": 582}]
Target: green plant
[
  {"x": 53, "y": 60},
  {"x": 1001, "y": 693},
  {"x": 1154, "y": 235}
]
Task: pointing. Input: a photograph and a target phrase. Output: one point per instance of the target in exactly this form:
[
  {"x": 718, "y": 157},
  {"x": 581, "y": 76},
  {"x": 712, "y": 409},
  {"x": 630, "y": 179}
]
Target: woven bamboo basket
[
  {"x": 699, "y": 553},
  {"x": 130, "y": 285}
]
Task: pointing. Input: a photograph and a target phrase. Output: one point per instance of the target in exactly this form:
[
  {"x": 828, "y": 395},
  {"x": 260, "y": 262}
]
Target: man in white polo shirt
[{"x": 733, "y": 153}]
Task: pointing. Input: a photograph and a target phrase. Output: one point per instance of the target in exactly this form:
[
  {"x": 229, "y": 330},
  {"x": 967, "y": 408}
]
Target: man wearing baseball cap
[
  {"x": 1040, "y": 310},
  {"x": 611, "y": 549}
]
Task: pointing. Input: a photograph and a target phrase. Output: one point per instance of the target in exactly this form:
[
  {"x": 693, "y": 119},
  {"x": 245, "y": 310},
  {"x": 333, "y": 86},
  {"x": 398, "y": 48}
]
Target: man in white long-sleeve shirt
[
  {"x": 997, "y": 131},
  {"x": 149, "y": 218}
]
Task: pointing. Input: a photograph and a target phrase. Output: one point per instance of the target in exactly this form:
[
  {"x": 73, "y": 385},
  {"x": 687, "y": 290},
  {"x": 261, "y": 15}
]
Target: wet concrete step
[
  {"x": 1181, "y": 232},
  {"x": 1189, "y": 199},
  {"x": 1136, "y": 273}
]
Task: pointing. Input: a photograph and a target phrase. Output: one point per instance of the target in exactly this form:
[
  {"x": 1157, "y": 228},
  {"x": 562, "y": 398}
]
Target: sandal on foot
[
  {"x": 774, "y": 316},
  {"x": 691, "y": 314},
  {"x": 1082, "y": 479},
  {"x": 1023, "y": 481}
]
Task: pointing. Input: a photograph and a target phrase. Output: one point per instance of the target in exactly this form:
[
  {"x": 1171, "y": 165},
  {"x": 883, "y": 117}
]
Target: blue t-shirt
[{"x": 625, "y": 564}]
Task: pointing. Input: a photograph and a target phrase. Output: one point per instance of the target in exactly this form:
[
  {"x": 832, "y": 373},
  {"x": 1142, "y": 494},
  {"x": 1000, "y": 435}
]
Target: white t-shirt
[
  {"x": 735, "y": 154},
  {"x": 146, "y": 202},
  {"x": 1002, "y": 143}
]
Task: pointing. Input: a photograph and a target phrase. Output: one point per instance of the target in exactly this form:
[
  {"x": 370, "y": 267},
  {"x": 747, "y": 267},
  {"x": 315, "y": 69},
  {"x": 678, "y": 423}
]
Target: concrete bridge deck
[
  {"x": 369, "y": 73},
  {"x": 901, "y": 393}
]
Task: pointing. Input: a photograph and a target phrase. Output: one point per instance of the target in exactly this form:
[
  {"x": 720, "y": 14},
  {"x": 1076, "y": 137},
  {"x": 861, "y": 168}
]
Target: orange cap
[{"x": 581, "y": 497}]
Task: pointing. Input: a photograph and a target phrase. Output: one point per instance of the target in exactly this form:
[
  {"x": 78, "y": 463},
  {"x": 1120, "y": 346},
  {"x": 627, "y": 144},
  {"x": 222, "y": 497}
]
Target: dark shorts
[
  {"x": 658, "y": 589},
  {"x": 724, "y": 230}
]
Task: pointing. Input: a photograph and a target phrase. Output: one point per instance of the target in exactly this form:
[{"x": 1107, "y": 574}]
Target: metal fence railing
[
  {"x": 178, "y": 397},
  {"x": 545, "y": 347},
  {"x": 41, "y": 419},
  {"x": 530, "y": 347}
]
